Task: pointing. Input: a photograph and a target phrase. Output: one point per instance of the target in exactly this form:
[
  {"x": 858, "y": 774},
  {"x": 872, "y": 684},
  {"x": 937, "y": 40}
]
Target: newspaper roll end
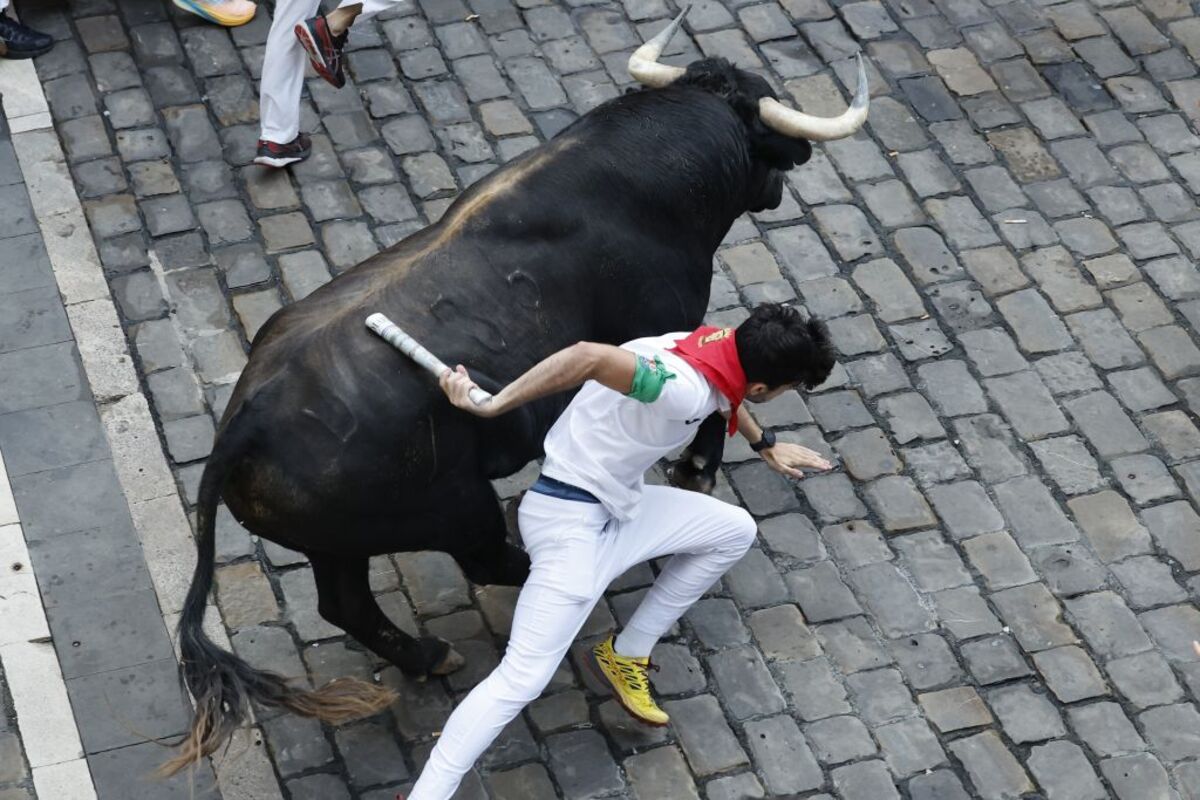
[{"x": 391, "y": 333}]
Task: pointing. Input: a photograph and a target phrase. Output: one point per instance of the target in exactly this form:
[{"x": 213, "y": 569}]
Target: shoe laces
[{"x": 637, "y": 675}]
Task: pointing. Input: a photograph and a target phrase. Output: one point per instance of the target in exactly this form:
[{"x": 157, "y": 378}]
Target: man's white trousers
[
  {"x": 577, "y": 550},
  {"x": 284, "y": 62}
]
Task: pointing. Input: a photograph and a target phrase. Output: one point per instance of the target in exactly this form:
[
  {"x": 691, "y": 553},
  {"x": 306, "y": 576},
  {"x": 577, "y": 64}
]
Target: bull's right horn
[
  {"x": 790, "y": 122},
  {"x": 643, "y": 64}
]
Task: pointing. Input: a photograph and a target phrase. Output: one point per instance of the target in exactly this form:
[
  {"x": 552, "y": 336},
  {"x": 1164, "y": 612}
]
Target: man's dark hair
[{"x": 778, "y": 346}]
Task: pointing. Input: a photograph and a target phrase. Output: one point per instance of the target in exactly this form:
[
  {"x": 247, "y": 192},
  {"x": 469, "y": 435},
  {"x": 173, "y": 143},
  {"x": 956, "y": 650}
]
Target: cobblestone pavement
[{"x": 993, "y": 598}]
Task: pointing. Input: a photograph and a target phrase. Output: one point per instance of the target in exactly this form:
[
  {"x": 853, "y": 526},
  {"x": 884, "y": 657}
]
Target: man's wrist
[{"x": 765, "y": 442}]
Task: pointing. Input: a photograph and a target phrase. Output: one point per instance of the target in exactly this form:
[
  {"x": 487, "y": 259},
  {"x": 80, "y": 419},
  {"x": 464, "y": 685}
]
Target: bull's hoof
[
  {"x": 441, "y": 658},
  {"x": 453, "y": 662},
  {"x": 683, "y": 474}
]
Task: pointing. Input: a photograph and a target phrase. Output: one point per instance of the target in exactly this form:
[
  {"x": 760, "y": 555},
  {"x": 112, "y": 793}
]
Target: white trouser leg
[
  {"x": 576, "y": 550},
  {"x": 283, "y": 72},
  {"x": 561, "y": 537},
  {"x": 706, "y": 535},
  {"x": 3, "y": 4},
  {"x": 370, "y": 7}
]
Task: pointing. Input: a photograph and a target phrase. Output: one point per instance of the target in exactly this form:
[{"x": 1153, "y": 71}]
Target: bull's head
[{"x": 779, "y": 135}]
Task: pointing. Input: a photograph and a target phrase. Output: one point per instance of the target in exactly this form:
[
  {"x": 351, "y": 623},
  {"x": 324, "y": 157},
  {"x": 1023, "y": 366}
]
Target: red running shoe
[
  {"x": 271, "y": 154},
  {"x": 324, "y": 49}
]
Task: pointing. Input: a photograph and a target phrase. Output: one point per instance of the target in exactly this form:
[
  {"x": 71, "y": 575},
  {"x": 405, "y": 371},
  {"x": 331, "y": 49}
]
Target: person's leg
[
  {"x": 552, "y": 607},
  {"x": 706, "y": 536},
  {"x": 283, "y": 72}
]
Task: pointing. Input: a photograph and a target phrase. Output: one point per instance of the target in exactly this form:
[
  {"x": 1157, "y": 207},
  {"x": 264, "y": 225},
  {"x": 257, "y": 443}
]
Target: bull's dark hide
[{"x": 336, "y": 445}]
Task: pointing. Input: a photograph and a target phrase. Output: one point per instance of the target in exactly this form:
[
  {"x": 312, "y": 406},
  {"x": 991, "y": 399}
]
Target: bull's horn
[
  {"x": 790, "y": 122},
  {"x": 643, "y": 64}
]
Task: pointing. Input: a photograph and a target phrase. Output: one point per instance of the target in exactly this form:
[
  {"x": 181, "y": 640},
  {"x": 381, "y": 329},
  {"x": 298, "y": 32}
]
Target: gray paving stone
[
  {"x": 992, "y": 351},
  {"x": 864, "y": 780},
  {"x": 1105, "y": 729},
  {"x": 1037, "y": 328},
  {"x": 792, "y": 535},
  {"x": 582, "y": 765},
  {"x": 1110, "y": 526},
  {"x": 1144, "y": 478},
  {"x": 935, "y": 463},
  {"x": 1174, "y": 731},
  {"x": 952, "y": 388},
  {"x": 1105, "y": 425},
  {"x": 1034, "y": 617},
  {"x": 821, "y": 593},
  {"x": 1173, "y": 629},
  {"x": 994, "y": 659},
  {"x": 926, "y": 660},
  {"x": 856, "y": 543},
  {"x": 1176, "y": 528},
  {"x": 852, "y": 644},
  {"x": 1145, "y": 680},
  {"x": 933, "y": 563},
  {"x": 997, "y": 557},
  {"x": 1027, "y": 404},
  {"x": 1064, "y": 772},
  {"x": 880, "y": 695},
  {"x": 746, "y": 684},
  {"x": 717, "y": 623},
  {"x": 1137, "y": 776},
  {"x": 839, "y": 739},
  {"x": 899, "y": 504},
  {"x": 705, "y": 737},
  {"x": 1070, "y": 674}
]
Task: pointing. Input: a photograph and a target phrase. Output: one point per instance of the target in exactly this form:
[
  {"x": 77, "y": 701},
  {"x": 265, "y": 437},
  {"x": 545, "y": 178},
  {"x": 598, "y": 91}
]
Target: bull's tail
[{"x": 223, "y": 685}]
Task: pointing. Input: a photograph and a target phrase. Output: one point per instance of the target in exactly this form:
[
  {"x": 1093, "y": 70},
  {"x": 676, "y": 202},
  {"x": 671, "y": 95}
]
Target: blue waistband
[{"x": 563, "y": 491}]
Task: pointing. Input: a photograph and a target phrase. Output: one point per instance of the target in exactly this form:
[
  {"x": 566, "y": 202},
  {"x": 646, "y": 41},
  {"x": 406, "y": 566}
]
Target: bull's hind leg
[
  {"x": 482, "y": 548},
  {"x": 344, "y": 599}
]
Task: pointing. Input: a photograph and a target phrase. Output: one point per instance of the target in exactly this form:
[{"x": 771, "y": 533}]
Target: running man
[
  {"x": 294, "y": 32},
  {"x": 590, "y": 516}
]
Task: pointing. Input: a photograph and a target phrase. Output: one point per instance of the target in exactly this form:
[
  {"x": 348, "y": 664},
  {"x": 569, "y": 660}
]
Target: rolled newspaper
[{"x": 391, "y": 333}]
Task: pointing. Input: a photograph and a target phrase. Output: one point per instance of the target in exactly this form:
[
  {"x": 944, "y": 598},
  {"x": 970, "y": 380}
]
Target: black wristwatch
[{"x": 767, "y": 441}]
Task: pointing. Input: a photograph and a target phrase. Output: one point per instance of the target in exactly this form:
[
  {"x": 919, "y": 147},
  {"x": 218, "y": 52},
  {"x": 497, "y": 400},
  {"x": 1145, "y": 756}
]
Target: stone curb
[{"x": 243, "y": 772}]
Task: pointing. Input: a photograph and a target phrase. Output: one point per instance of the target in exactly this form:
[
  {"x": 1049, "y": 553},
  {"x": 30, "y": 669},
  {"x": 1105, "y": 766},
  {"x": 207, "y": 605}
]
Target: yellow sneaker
[{"x": 628, "y": 679}]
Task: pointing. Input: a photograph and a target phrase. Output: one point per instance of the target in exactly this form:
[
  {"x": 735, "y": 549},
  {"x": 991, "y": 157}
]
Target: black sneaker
[
  {"x": 271, "y": 154},
  {"x": 21, "y": 41}
]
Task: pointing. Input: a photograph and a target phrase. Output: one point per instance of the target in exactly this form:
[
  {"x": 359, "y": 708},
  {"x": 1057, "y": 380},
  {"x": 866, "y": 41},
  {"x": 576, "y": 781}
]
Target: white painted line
[
  {"x": 8, "y": 506},
  {"x": 71, "y": 779},
  {"x": 23, "y": 96},
  {"x": 40, "y": 698}
]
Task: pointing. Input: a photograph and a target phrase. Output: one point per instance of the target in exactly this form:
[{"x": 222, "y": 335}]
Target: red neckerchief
[{"x": 713, "y": 353}]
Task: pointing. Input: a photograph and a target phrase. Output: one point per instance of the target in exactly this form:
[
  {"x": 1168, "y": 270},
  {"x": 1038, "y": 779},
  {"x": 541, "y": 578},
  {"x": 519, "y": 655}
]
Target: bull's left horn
[
  {"x": 643, "y": 64},
  {"x": 790, "y": 122}
]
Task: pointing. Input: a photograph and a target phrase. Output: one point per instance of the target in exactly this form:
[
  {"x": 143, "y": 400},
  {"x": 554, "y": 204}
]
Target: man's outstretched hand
[
  {"x": 457, "y": 385},
  {"x": 787, "y": 459}
]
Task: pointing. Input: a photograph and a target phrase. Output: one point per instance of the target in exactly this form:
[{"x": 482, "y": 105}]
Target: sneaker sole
[
  {"x": 594, "y": 666},
  {"x": 210, "y": 15},
  {"x": 278, "y": 163},
  {"x": 304, "y": 35},
  {"x": 22, "y": 54}
]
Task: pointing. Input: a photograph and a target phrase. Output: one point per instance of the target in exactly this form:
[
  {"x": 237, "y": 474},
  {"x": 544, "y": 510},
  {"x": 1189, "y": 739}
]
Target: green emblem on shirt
[{"x": 648, "y": 379}]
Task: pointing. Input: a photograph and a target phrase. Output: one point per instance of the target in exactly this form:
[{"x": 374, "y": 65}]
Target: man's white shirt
[{"x": 604, "y": 441}]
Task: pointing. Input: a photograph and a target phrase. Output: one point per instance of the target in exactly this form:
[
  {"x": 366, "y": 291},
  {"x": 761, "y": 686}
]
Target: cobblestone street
[{"x": 992, "y": 597}]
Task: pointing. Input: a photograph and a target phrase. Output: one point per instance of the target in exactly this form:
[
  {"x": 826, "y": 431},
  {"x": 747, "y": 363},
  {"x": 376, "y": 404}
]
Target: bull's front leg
[{"x": 696, "y": 469}]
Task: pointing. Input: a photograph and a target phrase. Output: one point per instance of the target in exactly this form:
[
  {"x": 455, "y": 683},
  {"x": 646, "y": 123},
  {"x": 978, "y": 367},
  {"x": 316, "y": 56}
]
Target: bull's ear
[{"x": 781, "y": 152}]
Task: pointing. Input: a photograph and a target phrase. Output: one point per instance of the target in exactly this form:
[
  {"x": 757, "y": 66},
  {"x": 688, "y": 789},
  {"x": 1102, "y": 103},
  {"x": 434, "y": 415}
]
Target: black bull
[{"x": 335, "y": 445}]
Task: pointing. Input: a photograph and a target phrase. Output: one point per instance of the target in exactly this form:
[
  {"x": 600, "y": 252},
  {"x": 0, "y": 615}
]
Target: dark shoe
[
  {"x": 21, "y": 41},
  {"x": 324, "y": 49},
  {"x": 275, "y": 155}
]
